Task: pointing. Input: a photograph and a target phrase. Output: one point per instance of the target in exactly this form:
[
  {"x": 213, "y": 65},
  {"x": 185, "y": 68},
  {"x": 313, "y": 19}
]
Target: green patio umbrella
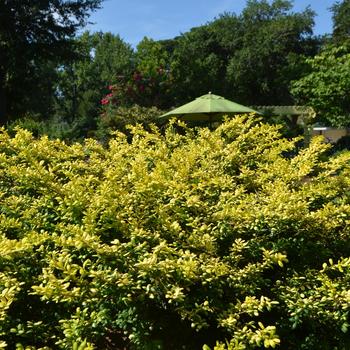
[{"x": 208, "y": 108}]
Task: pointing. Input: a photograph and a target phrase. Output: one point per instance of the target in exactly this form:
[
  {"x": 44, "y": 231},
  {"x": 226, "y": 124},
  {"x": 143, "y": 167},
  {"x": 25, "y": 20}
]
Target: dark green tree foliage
[
  {"x": 267, "y": 55},
  {"x": 201, "y": 56},
  {"x": 104, "y": 58},
  {"x": 250, "y": 58},
  {"x": 341, "y": 21},
  {"x": 34, "y": 33}
]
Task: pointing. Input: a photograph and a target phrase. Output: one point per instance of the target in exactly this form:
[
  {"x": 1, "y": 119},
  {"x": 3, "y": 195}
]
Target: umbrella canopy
[{"x": 209, "y": 108}]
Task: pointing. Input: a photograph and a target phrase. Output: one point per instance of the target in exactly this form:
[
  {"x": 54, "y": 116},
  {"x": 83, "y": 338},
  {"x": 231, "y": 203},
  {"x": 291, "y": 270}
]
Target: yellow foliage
[{"x": 174, "y": 240}]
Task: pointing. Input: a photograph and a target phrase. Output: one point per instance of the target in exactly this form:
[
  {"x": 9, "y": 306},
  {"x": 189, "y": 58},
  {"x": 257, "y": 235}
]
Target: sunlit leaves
[{"x": 221, "y": 236}]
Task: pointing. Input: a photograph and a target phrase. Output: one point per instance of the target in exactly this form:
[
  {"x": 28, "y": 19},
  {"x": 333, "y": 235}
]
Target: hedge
[{"x": 183, "y": 239}]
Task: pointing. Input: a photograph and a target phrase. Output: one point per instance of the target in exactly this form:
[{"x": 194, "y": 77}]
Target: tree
[
  {"x": 103, "y": 58},
  {"x": 150, "y": 82},
  {"x": 33, "y": 33},
  {"x": 341, "y": 21},
  {"x": 250, "y": 57},
  {"x": 273, "y": 40},
  {"x": 200, "y": 58},
  {"x": 326, "y": 87}
]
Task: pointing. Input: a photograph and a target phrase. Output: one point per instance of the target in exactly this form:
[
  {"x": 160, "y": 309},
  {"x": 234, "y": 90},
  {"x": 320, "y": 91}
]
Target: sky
[{"x": 165, "y": 19}]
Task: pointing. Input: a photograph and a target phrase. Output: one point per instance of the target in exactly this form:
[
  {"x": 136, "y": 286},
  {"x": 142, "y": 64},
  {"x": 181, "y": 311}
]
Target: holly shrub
[{"x": 199, "y": 239}]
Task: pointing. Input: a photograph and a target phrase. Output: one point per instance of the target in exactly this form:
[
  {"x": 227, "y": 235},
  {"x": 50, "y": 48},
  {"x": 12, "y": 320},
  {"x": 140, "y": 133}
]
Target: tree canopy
[
  {"x": 326, "y": 87},
  {"x": 341, "y": 21},
  {"x": 249, "y": 57},
  {"x": 32, "y": 34},
  {"x": 82, "y": 83}
]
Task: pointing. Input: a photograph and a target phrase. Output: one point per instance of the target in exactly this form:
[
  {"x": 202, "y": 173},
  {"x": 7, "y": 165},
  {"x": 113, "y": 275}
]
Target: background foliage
[
  {"x": 266, "y": 55},
  {"x": 326, "y": 88},
  {"x": 173, "y": 241},
  {"x": 249, "y": 57},
  {"x": 36, "y": 36}
]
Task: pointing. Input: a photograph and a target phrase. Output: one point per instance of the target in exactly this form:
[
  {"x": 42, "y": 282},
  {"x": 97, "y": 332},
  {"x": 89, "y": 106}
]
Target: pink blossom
[{"x": 137, "y": 76}]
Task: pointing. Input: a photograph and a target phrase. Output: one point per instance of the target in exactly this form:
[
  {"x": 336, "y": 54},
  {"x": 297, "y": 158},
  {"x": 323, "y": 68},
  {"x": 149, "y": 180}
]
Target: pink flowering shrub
[{"x": 147, "y": 89}]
